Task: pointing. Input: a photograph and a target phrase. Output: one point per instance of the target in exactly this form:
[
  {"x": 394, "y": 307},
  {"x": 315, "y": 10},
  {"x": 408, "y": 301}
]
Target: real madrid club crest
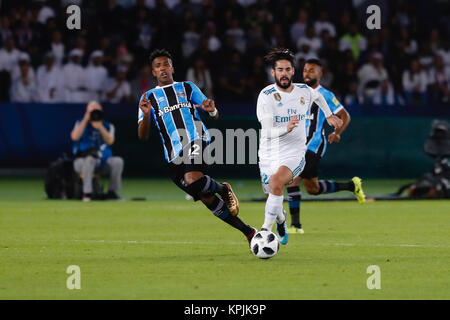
[{"x": 302, "y": 100}]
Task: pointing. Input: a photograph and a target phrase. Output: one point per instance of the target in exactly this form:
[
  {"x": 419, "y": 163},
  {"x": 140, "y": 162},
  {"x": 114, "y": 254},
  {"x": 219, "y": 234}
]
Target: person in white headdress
[
  {"x": 23, "y": 85},
  {"x": 74, "y": 87},
  {"x": 96, "y": 76},
  {"x": 49, "y": 80}
]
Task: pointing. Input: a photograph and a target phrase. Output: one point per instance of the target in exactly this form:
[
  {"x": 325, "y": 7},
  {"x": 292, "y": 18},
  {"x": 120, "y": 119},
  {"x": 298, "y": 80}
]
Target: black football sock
[
  {"x": 329, "y": 186},
  {"x": 207, "y": 185},
  {"x": 220, "y": 210},
  {"x": 347, "y": 186},
  {"x": 213, "y": 186},
  {"x": 294, "y": 198}
]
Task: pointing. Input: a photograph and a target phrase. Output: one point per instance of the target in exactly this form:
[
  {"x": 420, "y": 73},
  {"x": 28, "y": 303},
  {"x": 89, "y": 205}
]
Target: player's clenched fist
[
  {"x": 293, "y": 123},
  {"x": 208, "y": 105},
  {"x": 145, "y": 106}
]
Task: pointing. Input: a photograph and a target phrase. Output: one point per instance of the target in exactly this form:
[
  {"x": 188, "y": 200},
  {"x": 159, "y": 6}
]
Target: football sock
[
  {"x": 220, "y": 210},
  {"x": 274, "y": 208},
  {"x": 294, "y": 198},
  {"x": 329, "y": 186},
  {"x": 206, "y": 185}
]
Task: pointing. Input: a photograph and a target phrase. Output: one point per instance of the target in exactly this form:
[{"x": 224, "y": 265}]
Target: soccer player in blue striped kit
[
  {"x": 174, "y": 109},
  {"x": 316, "y": 146}
]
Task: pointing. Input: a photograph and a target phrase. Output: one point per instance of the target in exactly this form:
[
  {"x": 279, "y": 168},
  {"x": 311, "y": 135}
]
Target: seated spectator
[
  {"x": 351, "y": 97},
  {"x": 426, "y": 55},
  {"x": 24, "y": 34},
  {"x": 370, "y": 76},
  {"x": 45, "y": 12},
  {"x": 386, "y": 96},
  {"x": 324, "y": 24},
  {"x": 23, "y": 87},
  {"x": 57, "y": 47},
  {"x": 353, "y": 41},
  {"x": 439, "y": 80},
  {"x": 257, "y": 78},
  {"x": 96, "y": 76},
  {"x": 327, "y": 75},
  {"x": 190, "y": 39},
  {"x": 305, "y": 53},
  {"x": 444, "y": 52},
  {"x": 214, "y": 42},
  {"x": 232, "y": 80},
  {"x": 310, "y": 40},
  {"x": 298, "y": 28},
  {"x": 74, "y": 84},
  {"x": 406, "y": 44},
  {"x": 346, "y": 76},
  {"x": 237, "y": 33},
  {"x": 143, "y": 82},
  {"x": 5, "y": 29},
  {"x": 200, "y": 75},
  {"x": 415, "y": 83},
  {"x": 49, "y": 81},
  {"x": 93, "y": 138},
  {"x": 118, "y": 89},
  {"x": 9, "y": 55}
]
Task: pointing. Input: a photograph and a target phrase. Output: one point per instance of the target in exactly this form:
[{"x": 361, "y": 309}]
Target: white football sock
[
  {"x": 281, "y": 216},
  {"x": 274, "y": 207}
]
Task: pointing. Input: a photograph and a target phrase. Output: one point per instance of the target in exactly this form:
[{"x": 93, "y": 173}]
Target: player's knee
[
  {"x": 197, "y": 188},
  {"x": 190, "y": 179},
  {"x": 276, "y": 185}
]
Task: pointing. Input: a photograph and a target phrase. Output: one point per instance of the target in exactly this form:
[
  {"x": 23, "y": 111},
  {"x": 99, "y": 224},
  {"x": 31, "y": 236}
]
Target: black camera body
[{"x": 96, "y": 115}]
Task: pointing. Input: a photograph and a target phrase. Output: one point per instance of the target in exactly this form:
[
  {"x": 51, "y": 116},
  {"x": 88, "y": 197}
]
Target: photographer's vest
[{"x": 92, "y": 142}]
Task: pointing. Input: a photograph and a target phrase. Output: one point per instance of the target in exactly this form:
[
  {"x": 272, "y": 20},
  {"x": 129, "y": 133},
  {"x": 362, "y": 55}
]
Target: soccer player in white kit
[{"x": 282, "y": 110}]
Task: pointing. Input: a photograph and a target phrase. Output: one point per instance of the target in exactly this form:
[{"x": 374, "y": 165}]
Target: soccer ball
[{"x": 265, "y": 244}]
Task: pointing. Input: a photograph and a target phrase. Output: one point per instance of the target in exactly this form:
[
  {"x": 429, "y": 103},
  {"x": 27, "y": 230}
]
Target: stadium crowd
[{"x": 220, "y": 45}]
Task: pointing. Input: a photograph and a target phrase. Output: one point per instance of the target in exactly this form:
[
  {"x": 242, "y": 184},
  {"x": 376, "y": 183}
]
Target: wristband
[{"x": 213, "y": 114}]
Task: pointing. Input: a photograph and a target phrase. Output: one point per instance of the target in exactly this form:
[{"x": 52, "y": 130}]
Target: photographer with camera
[{"x": 93, "y": 139}]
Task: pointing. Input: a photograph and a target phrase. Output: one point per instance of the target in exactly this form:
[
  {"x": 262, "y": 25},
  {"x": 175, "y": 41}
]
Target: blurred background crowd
[{"x": 220, "y": 45}]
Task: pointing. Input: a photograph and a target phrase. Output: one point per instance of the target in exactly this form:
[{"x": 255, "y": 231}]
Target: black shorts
[
  {"x": 311, "y": 169},
  {"x": 191, "y": 159}
]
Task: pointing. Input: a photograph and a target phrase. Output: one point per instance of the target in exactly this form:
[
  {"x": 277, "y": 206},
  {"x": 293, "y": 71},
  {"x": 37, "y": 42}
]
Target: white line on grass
[{"x": 240, "y": 243}]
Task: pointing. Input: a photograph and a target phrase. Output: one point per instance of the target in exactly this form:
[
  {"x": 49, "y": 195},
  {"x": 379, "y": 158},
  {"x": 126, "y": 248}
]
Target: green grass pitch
[{"x": 170, "y": 248}]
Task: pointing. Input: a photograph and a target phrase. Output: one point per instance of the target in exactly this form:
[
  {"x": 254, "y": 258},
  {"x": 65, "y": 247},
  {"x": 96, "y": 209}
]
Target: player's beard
[
  {"x": 311, "y": 82},
  {"x": 283, "y": 86}
]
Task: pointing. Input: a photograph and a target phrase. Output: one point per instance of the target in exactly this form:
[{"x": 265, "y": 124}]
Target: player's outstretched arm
[
  {"x": 332, "y": 120},
  {"x": 144, "y": 124}
]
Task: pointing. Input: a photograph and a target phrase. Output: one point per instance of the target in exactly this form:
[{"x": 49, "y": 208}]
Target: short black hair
[
  {"x": 314, "y": 61},
  {"x": 279, "y": 54},
  {"x": 159, "y": 53}
]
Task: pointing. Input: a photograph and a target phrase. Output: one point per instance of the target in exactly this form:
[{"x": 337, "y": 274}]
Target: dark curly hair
[
  {"x": 279, "y": 54},
  {"x": 314, "y": 61},
  {"x": 160, "y": 53}
]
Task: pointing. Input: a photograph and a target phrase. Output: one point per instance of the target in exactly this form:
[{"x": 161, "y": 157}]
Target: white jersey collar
[{"x": 168, "y": 85}]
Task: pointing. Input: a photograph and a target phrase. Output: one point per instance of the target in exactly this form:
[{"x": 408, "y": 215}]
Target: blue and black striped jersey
[
  {"x": 174, "y": 113},
  {"x": 315, "y": 133}
]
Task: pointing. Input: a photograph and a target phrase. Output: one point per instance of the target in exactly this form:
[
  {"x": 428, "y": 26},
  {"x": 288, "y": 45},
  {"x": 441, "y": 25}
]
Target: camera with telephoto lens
[{"x": 96, "y": 115}]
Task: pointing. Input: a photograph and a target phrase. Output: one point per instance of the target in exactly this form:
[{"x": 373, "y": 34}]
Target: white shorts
[{"x": 269, "y": 168}]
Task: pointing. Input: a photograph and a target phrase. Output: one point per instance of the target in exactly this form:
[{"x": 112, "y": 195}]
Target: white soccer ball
[{"x": 265, "y": 244}]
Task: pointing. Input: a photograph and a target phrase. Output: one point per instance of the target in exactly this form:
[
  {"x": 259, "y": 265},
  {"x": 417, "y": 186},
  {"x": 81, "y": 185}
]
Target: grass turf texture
[{"x": 170, "y": 248}]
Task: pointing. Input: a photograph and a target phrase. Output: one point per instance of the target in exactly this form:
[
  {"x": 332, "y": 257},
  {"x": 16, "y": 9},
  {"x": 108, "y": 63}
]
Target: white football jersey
[{"x": 280, "y": 107}]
